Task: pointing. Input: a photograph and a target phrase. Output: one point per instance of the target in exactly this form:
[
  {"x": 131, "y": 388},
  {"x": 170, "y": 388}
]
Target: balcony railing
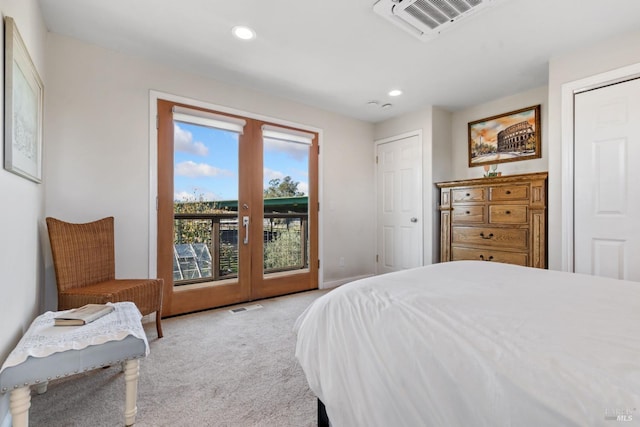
[{"x": 206, "y": 245}]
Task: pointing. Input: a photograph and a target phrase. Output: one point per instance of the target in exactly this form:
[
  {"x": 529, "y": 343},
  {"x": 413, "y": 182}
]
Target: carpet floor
[{"x": 212, "y": 368}]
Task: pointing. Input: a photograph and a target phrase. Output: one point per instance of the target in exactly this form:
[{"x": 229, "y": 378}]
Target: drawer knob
[
  {"x": 467, "y": 195},
  {"x": 508, "y": 192},
  {"x": 488, "y": 259},
  {"x": 508, "y": 212},
  {"x": 486, "y": 237},
  {"x": 468, "y": 212}
]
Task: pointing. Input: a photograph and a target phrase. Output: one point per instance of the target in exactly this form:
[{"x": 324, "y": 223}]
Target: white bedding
[{"x": 474, "y": 343}]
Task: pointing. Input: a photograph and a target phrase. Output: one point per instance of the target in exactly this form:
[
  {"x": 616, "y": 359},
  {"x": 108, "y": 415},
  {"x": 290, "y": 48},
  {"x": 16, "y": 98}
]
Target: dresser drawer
[
  {"x": 464, "y": 195},
  {"x": 515, "y": 238},
  {"x": 509, "y": 192},
  {"x": 461, "y": 254},
  {"x": 469, "y": 214},
  {"x": 508, "y": 214}
]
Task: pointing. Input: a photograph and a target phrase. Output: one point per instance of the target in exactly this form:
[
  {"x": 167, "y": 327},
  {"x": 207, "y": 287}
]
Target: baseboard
[{"x": 336, "y": 283}]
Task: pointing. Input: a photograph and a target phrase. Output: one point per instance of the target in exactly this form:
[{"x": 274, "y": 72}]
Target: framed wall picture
[
  {"x": 23, "y": 107},
  {"x": 507, "y": 137}
]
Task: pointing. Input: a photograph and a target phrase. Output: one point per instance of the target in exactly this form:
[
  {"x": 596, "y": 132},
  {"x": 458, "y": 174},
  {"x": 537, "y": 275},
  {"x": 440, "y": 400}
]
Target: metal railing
[{"x": 206, "y": 245}]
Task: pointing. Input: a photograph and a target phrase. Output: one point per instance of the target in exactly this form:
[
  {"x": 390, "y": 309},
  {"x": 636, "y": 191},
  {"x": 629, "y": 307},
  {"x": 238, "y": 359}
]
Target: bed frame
[{"x": 323, "y": 419}]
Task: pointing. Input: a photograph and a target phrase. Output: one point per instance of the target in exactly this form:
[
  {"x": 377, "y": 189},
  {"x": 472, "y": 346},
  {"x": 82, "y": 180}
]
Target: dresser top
[{"x": 494, "y": 180}]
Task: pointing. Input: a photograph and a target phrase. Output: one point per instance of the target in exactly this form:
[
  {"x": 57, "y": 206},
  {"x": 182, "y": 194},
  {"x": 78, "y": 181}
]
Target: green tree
[
  {"x": 285, "y": 187},
  {"x": 193, "y": 230},
  {"x": 283, "y": 251}
]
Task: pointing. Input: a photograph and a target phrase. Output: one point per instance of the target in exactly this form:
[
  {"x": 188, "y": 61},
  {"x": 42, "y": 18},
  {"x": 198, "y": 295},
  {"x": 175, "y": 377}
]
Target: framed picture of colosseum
[{"x": 507, "y": 137}]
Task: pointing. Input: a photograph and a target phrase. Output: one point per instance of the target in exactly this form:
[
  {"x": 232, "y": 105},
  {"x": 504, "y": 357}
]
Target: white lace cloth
[{"x": 42, "y": 339}]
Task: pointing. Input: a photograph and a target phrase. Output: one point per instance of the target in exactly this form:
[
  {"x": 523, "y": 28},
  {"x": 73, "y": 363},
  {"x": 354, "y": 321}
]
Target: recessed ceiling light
[
  {"x": 395, "y": 92},
  {"x": 244, "y": 33}
]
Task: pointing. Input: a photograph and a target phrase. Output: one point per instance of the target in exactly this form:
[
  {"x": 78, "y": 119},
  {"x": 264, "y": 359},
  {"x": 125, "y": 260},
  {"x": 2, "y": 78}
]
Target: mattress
[{"x": 473, "y": 343}]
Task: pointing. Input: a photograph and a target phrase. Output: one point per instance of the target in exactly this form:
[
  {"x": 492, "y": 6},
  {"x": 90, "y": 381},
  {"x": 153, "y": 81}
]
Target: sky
[{"x": 206, "y": 163}]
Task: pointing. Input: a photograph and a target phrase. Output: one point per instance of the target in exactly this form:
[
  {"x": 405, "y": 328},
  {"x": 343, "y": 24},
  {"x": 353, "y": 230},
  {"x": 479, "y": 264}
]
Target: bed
[{"x": 473, "y": 343}]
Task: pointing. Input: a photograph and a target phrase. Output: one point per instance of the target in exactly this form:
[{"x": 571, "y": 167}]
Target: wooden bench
[{"x": 48, "y": 352}]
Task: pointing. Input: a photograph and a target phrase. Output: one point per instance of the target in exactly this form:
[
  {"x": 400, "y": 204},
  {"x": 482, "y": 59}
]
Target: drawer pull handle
[
  {"x": 508, "y": 212},
  {"x": 508, "y": 192},
  {"x": 488, "y": 259},
  {"x": 486, "y": 237}
]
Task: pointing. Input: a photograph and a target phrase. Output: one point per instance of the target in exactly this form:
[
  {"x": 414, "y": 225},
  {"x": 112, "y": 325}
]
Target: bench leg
[
  {"x": 131, "y": 375},
  {"x": 20, "y": 402},
  {"x": 42, "y": 387}
]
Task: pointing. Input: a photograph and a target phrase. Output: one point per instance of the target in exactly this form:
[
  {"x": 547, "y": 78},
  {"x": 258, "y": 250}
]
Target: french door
[{"x": 237, "y": 208}]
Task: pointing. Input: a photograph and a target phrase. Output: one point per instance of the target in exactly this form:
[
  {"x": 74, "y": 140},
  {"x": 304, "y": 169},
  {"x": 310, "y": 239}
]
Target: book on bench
[{"x": 83, "y": 315}]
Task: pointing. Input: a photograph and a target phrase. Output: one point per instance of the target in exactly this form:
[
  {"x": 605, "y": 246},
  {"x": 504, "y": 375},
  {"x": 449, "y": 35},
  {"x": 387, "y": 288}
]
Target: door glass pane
[
  {"x": 205, "y": 204},
  {"x": 286, "y": 210}
]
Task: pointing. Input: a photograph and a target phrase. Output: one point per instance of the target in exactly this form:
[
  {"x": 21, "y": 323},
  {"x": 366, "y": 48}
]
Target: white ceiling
[{"x": 339, "y": 54}]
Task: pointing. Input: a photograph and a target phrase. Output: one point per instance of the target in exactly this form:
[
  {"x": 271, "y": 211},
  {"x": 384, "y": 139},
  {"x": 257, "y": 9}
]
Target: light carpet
[{"x": 212, "y": 368}]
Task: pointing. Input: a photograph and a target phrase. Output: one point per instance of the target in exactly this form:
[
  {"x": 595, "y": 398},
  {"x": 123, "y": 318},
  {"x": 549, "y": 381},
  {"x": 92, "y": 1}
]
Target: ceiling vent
[{"x": 426, "y": 19}]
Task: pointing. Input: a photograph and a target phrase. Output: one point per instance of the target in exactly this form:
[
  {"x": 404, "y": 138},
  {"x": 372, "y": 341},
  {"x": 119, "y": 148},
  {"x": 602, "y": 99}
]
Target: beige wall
[
  {"x": 599, "y": 58},
  {"x": 460, "y": 135},
  {"x": 588, "y": 61},
  {"x": 445, "y": 150},
  {"x": 22, "y": 211},
  {"x": 97, "y": 159},
  {"x": 97, "y": 122}
]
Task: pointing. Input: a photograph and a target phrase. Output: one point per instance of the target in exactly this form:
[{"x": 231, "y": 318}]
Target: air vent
[
  {"x": 245, "y": 308},
  {"x": 426, "y": 19}
]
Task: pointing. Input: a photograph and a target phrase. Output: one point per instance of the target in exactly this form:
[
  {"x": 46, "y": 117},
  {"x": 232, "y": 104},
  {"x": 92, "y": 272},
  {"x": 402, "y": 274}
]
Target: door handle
[{"x": 245, "y": 224}]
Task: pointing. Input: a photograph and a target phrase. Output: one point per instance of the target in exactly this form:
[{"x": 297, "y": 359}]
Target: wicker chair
[{"x": 84, "y": 262}]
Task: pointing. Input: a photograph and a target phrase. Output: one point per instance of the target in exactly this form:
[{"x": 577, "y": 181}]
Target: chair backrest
[{"x": 83, "y": 254}]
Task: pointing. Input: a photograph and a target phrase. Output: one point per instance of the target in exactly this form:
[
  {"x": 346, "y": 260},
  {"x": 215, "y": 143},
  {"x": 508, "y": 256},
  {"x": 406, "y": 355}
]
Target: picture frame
[
  {"x": 23, "y": 107},
  {"x": 507, "y": 137}
]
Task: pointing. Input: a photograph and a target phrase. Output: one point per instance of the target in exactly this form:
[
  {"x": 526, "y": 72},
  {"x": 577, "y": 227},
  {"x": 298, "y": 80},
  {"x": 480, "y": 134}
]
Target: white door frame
[
  {"x": 569, "y": 90},
  {"x": 378, "y": 142}
]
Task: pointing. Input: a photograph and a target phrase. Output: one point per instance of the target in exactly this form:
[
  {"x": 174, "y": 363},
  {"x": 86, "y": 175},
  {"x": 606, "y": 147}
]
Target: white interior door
[
  {"x": 607, "y": 173},
  {"x": 399, "y": 204}
]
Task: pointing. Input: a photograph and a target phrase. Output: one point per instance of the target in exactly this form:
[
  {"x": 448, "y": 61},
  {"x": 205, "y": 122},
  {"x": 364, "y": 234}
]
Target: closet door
[{"x": 607, "y": 177}]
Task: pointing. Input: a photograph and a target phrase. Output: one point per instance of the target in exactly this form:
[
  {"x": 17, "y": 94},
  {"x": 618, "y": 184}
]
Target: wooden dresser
[{"x": 501, "y": 219}]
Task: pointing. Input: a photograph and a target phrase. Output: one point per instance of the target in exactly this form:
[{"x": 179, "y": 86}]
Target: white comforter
[{"x": 475, "y": 344}]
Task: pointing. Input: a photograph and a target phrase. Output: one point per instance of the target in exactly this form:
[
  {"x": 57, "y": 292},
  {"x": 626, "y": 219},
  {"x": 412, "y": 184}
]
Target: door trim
[
  {"x": 154, "y": 96},
  {"x": 423, "y": 227},
  {"x": 569, "y": 91}
]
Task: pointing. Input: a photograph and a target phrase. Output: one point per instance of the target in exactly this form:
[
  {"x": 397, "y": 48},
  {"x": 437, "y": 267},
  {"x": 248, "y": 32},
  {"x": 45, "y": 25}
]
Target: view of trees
[
  {"x": 285, "y": 187},
  {"x": 281, "y": 248},
  {"x": 193, "y": 230}
]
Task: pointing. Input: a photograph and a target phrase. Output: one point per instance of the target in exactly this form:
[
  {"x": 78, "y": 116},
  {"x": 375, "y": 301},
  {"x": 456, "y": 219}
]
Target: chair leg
[{"x": 158, "y": 324}]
